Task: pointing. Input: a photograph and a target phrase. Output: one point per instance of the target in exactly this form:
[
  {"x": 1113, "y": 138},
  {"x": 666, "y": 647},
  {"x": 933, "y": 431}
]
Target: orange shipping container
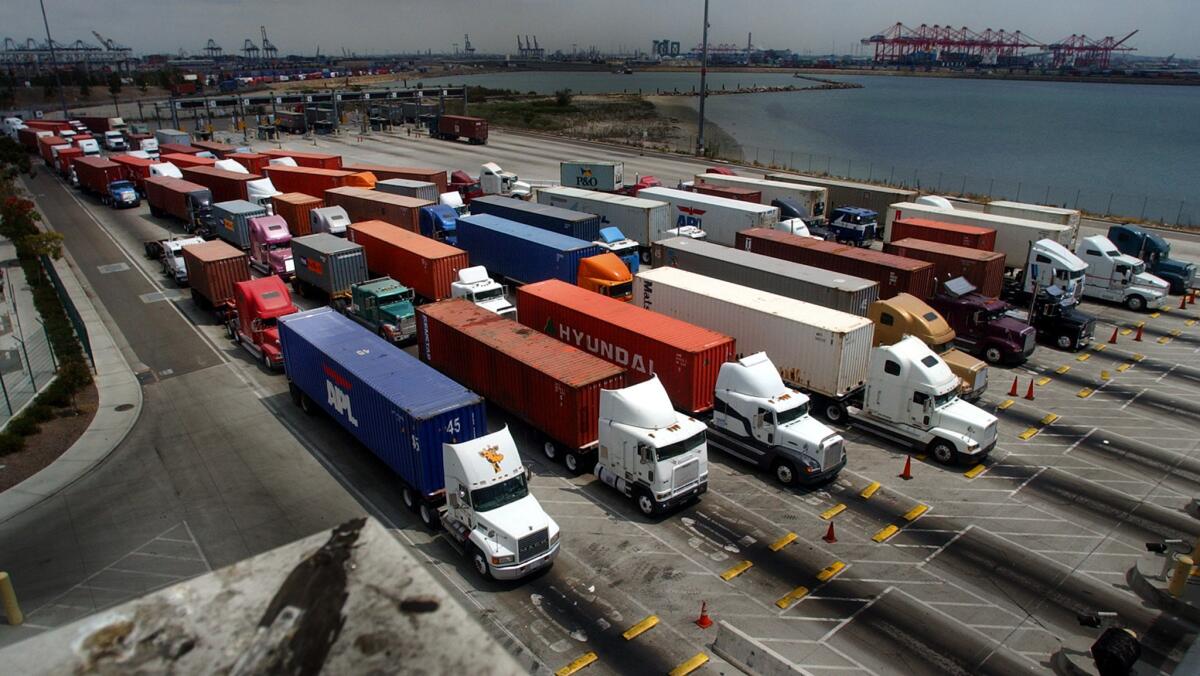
[
  {"x": 221, "y": 150},
  {"x": 313, "y": 160},
  {"x": 135, "y": 169},
  {"x": 213, "y": 268},
  {"x": 369, "y": 205},
  {"x": 983, "y": 269},
  {"x": 180, "y": 160},
  {"x": 307, "y": 180},
  {"x": 294, "y": 207},
  {"x": 177, "y": 148},
  {"x": 255, "y": 163},
  {"x": 384, "y": 172},
  {"x": 427, "y": 266},
  {"x": 225, "y": 185}
]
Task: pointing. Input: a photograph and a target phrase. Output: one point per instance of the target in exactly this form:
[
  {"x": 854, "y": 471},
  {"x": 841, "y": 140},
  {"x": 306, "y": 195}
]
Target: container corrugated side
[
  {"x": 1013, "y": 235},
  {"x": 401, "y": 186},
  {"x": 550, "y": 385},
  {"x": 815, "y": 349},
  {"x": 399, "y": 408},
  {"x": 642, "y": 220},
  {"x": 383, "y": 172},
  {"x": 362, "y": 204},
  {"x": 955, "y": 234},
  {"x": 294, "y": 207},
  {"x": 844, "y": 193},
  {"x": 578, "y": 224},
  {"x": 984, "y": 269},
  {"x": 686, "y": 358},
  {"x": 332, "y": 266},
  {"x": 720, "y": 218},
  {"x": 214, "y": 268},
  {"x": 308, "y": 180},
  {"x": 425, "y": 265},
  {"x": 520, "y": 252},
  {"x": 307, "y": 159}
]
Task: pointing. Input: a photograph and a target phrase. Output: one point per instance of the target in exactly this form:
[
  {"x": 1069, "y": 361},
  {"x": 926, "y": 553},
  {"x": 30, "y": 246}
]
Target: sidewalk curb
[{"x": 116, "y": 385}]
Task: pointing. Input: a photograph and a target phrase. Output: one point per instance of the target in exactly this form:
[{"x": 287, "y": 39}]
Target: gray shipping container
[
  {"x": 331, "y": 264},
  {"x": 402, "y": 186},
  {"x": 233, "y": 220},
  {"x": 172, "y": 136},
  {"x": 773, "y": 275},
  {"x": 852, "y": 193}
]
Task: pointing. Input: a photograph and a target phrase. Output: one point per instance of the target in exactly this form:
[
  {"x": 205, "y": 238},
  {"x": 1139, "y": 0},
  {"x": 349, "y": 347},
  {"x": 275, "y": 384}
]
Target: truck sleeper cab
[
  {"x": 853, "y": 225},
  {"x": 905, "y": 314},
  {"x": 1156, "y": 252},
  {"x": 259, "y": 304},
  {"x": 983, "y": 326},
  {"x": 1117, "y": 277}
]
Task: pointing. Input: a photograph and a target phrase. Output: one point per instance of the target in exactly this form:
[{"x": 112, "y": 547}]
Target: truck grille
[
  {"x": 832, "y": 455},
  {"x": 685, "y": 475},
  {"x": 533, "y": 545},
  {"x": 1030, "y": 342}
]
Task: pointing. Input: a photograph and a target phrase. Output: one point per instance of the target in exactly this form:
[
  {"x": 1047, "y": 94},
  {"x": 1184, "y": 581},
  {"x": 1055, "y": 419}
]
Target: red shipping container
[
  {"x": 957, "y": 234},
  {"x": 984, "y": 269},
  {"x": 895, "y": 274},
  {"x": 225, "y": 185},
  {"x": 685, "y": 357},
  {"x": 182, "y": 161},
  {"x": 369, "y": 205},
  {"x": 213, "y": 268},
  {"x": 384, "y": 173},
  {"x": 306, "y": 179},
  {"x": 66, "y": 158},
  {"x": 426, "y": 265},
  {"x": 221, "y": 150},
  {"x": 45, "y": 145},
  {"x": 474, "y": 129},
  {"x": 177, "y": 148},
  {"x": 729, "y": 192},
  {"x": 255, "y": 163},
  {"x": 48, "y": 125},
  {"x": 550, "y": 385},
  {"x": 168, "y": 195},
  {"x": 294, "y": 207},
  {"x": 313, "y": 160},
  {"x": 135, "y": 169},
  {"x": 28, "y": 137},
  {"x": 95, "y": 173}
]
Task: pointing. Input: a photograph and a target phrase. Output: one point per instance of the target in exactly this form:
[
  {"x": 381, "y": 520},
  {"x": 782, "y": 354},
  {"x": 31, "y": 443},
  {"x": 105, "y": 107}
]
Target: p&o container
[{"x": 425, "y": 265}]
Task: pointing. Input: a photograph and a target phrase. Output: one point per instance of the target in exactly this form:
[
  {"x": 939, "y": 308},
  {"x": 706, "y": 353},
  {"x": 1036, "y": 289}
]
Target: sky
[{"x": 382, "y": 26}]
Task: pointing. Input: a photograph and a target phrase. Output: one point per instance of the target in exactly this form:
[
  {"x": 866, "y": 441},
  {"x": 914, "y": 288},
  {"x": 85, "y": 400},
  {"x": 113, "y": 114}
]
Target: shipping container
[
  {"x": 1034, "y": 212},
  {"x": 182, "y": 161},
  {"x": 178, "y": 148},
  {"x": 221, "y": 150},
  {"x": 170, "y": 196},
  {"x": 794, "y": 280},
  {"x": 425, "y": 265},
  {"x": 643, "y": 220},
  {"x": 600, "y": 175},
  {"x": 550, "y": 385},
  {"x": 295, "y": 208},
  {"x": 66, "y": 160},
  {"x": 28, "y": 137},
  {"x": 721, "y": 219},
  {"x": 134, "y": 169},
  {"x": 402, "y": 186},
  {"x": 1013, "y": 235},
  {"x": 811, "y": 197},
  {"x": 48, "y": 125},
  {"x": 816, "y": 349},
  {"x": 729, "y": 192},
  {"x": 255, "y": 163},
  {"x": 232, "y": 220},
  {"x": 894, "y": 274},
  {"x": 95, "y": 173},
  {"x": 956, "y": 234},
  {"x": 577, "y": 224},
  {"x": 453, "y": 127},
  {"x": 983, "y": 269},
  {"x": 328, "y": 263},
  {"x": 46, "y": 144},
  {"x": 520, "y": 252},
  {"x": 306, "y": 179},
  {"x": 384, "y": 172},
  {"x": 399, "y": 408},
  {"x": 685, "y": 357},
  {"x": 844, "y": 193},
  {"x": 213, "y": 269},
  {"x": 371, "y": 205},
  {"x": 311, "y": 160},
  {"x": 172, "y": 136},
  {"x": 226, "y": 186}
]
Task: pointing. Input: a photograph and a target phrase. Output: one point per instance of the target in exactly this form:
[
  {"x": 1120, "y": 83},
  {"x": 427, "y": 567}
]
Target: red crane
[
  {"x": 901, "y": 44},
  {"x": 1079, "y": 51}
]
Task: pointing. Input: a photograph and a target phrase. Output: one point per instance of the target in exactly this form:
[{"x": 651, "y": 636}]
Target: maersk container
[
  {"x": 794, "y": 280},
  {"x": 423, "y": 190},
  {"x": 843, "y": 193},
  {"x": 591, "y": 175},
  {"x": 1034, "y": 212},
  {"x": 550, "y": 385},
  {"x": 520, "y": 252},
  {"x": 983, "y": 269},
  {"x": 643, "y": 220},
  {"x": 811, "y": 197},
  {"x": 232, "y": 220},
  {"x": 816, "y": 349},
  {"x": 685, "y": 357},
  {"x": 399, "y": 408},
  {"x": 721, "y": 219},
  {"x": 577, "y": 224},
  {"x": 1013, "y": 235},
  {"x": 954, "y": 234},
  {"x": 328, "y": 263}
]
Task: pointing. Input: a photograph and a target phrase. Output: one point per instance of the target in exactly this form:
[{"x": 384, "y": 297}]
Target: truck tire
[
  {"x": 1135, "y": 303},
  {"x": 835, "y": 412},
  {"x": 574, "y": 462},
  {"x": 993, "y": 355},
  {"x": 267, "y": 363},
  {"x": 1065, "y": 342},
  {"x": 230, "y": 331},
  {"x": 480, "y": 563},
  {"x": 428, "y": 515},
  {"x": 550, "y": 450},
  {"x": 646, "y": 257},
  {"x": 784, "y": 471},
  {"x": 307, "y": 404},
  {"x": 409, "y": 498},
  {"x": 943, "y": 451},
  {"x": 645, "y": 502}
]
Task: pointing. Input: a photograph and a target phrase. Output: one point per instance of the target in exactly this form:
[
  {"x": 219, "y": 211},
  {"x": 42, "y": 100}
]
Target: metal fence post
[
  {"x": 849, "y": 163},
  {"x": 1179, "y": 217},
  {"x": 1145, "y": 201},
  {"x": 1077, "y": 191},
  {"x": 50, "y": 347},
  {"x": 892, "y": 173},
  {"x": 991, "y": 186},
  {"x": 1110, "y": 199},
  {"x": 939, "y": 181},
  {"x": 792, "y": 160},
  {"x": 964, "y": 186},
  {"x": 1018, "y": 191},
  {"x": 7, "y": 401}
]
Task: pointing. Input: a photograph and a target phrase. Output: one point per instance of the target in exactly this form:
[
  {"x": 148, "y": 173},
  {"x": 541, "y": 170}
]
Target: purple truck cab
[
  {"x": 271, "y": 246},
  {"x": 983, "y": 325}
]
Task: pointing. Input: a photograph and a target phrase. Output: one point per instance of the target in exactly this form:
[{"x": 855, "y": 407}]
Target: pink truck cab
[
  {"x": 259, "y": 304},
  {"x": 271, "y": 246}
]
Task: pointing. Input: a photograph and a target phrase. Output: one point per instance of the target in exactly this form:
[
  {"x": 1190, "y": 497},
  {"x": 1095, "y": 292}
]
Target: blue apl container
[
  {"x": 401, "y": 409},
  {"x": 577, "y": 224},
  {"x": 521, "y": 252}
]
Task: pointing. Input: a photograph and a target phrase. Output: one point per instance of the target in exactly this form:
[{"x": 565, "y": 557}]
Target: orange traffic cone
[
  {"x": 704, "y": 621},
  {"x": 1138, "y": 337},
  {"x": 1029, "y": 392},
  {"x": 1012, "y": 391},
  {"x": 1182, "y": 302},
  {"x": 1113, "y": 340},
  {"x": 1191, "y": 296},
  {"x": 906, "y": 474},
  {"x": 830, "y": 536}
]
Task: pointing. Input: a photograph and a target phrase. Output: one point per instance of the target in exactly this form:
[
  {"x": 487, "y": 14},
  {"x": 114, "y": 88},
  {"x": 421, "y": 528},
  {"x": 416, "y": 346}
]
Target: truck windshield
[
  {"x": 489, "y": 294},
  {"x": 497, "y": 495},
  {"x": 943, "y": 399},
  {"x": 680, "y": 447},
  {"x": 620, "y": 290},
  {"x": 785, "y": 417}
]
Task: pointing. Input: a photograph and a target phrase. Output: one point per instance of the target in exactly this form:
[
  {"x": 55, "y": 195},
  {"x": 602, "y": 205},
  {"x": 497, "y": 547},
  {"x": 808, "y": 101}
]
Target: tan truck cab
[{"x": 906, "y": 315}]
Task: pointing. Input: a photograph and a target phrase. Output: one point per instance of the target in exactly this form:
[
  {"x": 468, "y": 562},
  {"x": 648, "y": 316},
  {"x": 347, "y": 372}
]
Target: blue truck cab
[
  {"x": 853, "y": 225},
  {"x": 1156, "y": 252},
  {"x": 123, "y": 194},
  {"x": 439, "y": 222},
  {"x": 614, "y": 241}
]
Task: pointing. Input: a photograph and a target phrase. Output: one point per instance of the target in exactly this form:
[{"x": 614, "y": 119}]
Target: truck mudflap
[{"x": 519, "y": 570}]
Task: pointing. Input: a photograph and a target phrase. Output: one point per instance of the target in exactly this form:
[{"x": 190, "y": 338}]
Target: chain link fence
[{"x": 27, "y": 361}]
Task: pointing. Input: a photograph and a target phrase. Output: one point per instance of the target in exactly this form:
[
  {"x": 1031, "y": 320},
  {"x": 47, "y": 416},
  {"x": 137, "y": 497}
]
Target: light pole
[
  {"x": 62, "y": 97},
  {"x": 703, "y": 78}
]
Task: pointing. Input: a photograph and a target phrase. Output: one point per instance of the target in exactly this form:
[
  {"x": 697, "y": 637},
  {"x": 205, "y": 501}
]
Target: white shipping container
[
  {"x": 591, "y": 175},
  {"x": 721, "y": 219},
  {"x": 1034, "y": 212},
  {"x": 816, "y": 349},
  {"x": 1013, "y": 235},
  {"x": 643, "y": 220},
  {"x": 811, "y": 197}
]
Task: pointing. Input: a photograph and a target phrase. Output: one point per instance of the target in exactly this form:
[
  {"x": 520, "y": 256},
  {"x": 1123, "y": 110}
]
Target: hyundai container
[
  {"x": 728, "y": 192},
  {"x": 956, "y": 234},
  {"x": 307, "y": 180},
  {"x": 221, "y": 150},
  {"x": 213, "y": 268},
  {"x": 812, "y": 198},
  {"x": 328, "y": 264},
  {"x": 643, "y": 220},
  {"x": 402, "y": 186},
  {"x": 454, "y": 127},
  {"x": 1013, "y": 235},
  {"x": 384, "y": 172},
  {"x": 304, "y": 159},
  {"x": 520, "y": 252},
  {"x": 983, "y": 269},
  {"x": 685, "y": 357},
  {"x": 604, "y": 176},
  {"x": 894, "y": 274},
  {"x": 226, "y": 186},
  {"x": 371, "y": 205},
  {"x": 1034, "y": 212},
  {"x": 810, "y": 284},
  {"x": 553, "y": 387},
  {"x": 232, "y": 221},
  {"x": 295, "y": 208},
  {"x": 577, "y": 224},
  {"x": 720, "y": 218},
  {"x": 843, "y": 193},
  {"x": 255, "y": 163},
  {"x": 426, "y": 266},
  {"x": 95, "y": 173}
]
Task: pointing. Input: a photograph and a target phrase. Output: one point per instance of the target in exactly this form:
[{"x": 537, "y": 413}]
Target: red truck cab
[
  {"x": 259, "y": 304},
  {"x": 271, "y": 246}
]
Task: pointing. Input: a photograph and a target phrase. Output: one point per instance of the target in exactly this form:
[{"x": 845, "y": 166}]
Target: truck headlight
[
  {"x": 554, "y": 538},
  {"x": 501, "y": 560}
]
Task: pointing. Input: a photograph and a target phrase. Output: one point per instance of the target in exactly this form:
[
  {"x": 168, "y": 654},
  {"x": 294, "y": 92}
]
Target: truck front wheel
[
  {"x": 572, "y": 460},
  {"x": 1065, "y": 342},
  {"x": 943, "y": 451},
  {"x": 479, "y": 561},
  {"x": 550, "y": 450},
  {"x": 993, "y": 355},
  {"x": 645, "y": 503},
  {"x": 785, "y": 472},
  {"x": 428, "y": 516},
  {"x": 1135, "y": 303}
]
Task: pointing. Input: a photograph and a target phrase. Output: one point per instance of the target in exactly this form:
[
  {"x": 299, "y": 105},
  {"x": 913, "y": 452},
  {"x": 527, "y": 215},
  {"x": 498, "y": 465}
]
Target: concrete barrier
[{"x": 750, "y": 656}]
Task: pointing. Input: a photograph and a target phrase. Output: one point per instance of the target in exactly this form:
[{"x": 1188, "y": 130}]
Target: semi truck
[
  {"x": 605, "y": 176},
  {"x": 1155, "y": 250},
  {"x": 271, "y": 246},
  {"x": 371, "y": 205},
  {"x": 720, "y": 219},
  {"x": 384, "y": 306},
  {"x": 439, "y": 222},
  {"x": 615, "y": 242},
  {"x": 331, "y": 220},
  {"x": 258, "y": 305},
  {"x": 759, "y": 419},
  {"x": 327, "y": 266},
  {"x": 906, "y": 315},
  {"x": 231, "y": 221},
  {"x": 169, "y": 253},
  {"x": 427, "y": 266},
  {"x": 983, "y": 325},
  {"x": 96, "y": 174},
  {"x": 474, "y": 284},
  {"x": 454, "y": 127},
  {"x": 213, "y": 268},
  {"x": 984, "y": 269},
  {"x": 646, "y": 221},
  {"x": 1013, "y": 235},
  {"x": 577, "y": 224},
  {"x": 1118, "y": 278},
  {"x": 451, "y": 471},
  {"x": 902, "y": 391},
  {"x": 813, "y": 198},
  {"x": 295, "y": 208},
  {"x": 184, "y": 200}
]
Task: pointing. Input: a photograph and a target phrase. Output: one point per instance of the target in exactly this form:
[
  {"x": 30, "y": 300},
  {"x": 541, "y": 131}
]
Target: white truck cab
[
  {"x": 172, "y": 257},
  {"x": 795, "y": 226},
  {"x": 495, "y": 181},
  {"x": 490, "y": 513},
  {"x": 648, "y": 450},
  {"x": 333, "y": 220},
  {"x": 475, "y": 285},
  {"x": 114, "y": 140},
  {"x": 149, "y": 146},
  {"x": 1119, "y": 278},
  {"x": 760, "y": 420},
  {"x": 911, "y": 396},
  {"x": 89, "y": 146},
  {"x": 1051, "y": 264}
]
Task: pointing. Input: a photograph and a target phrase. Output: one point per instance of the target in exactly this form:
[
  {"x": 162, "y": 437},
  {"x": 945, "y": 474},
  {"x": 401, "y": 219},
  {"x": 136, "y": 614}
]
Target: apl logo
[
  {"x": 689, "y": 216},
  {"x": 337, "y": 392},
  {"x": 585, "y": 178}
]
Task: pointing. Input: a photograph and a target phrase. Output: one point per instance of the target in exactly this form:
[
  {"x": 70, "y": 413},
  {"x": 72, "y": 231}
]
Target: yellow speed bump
[
  {"x": 1126, "y": 332},
  {"x": 640, "y": 628},
  {"x": 1154, "y": 315},
  {"x": 1050, "y": 418},
  {"x": 1164, "y": 340},
  {"x": 1085, "y": 393},
  {"x": 915, "y": 512},
  {"x": 1124, "y": 367},
  {"x": 1105, "y": 375},
  {"x": 1099, "y": 347},
  {"x": 833, "y": 511},
  {"x": 791, "y": 597},
  {"x": 736, "y": 569},
  {"x": 870, "y": 490},
  {"x": 1190, "y": 322},
  {"x": 829, "y": 572},
  {"x": 1137, "y": 356},
  {"x": 1083, "y": 357},
  {"x": 783, "y": 542},
  {"x": 693, "y": 663},
  {"x": 1005, "y": 404},
  {"x": 1029, "y": 433},
  {"x": 1043, "y": 380},
  {"x": 885, "y": 533},
  {"x": 1139, "y": 325},
  {"x": 974, "y": 471},
  {"x": 1175, "y": 333},
  {"x": 1062, "y": 369},
  {"x": 577, "y": 664}
]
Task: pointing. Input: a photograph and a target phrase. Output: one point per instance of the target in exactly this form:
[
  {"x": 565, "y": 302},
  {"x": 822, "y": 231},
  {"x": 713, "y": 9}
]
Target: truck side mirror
[{"x": 643, "y": 453}]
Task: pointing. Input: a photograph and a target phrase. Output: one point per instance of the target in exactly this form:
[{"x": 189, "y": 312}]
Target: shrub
[
  {"x": 10, "y": 443},
  {"x": 40, "y": 413},
  {"x": 23, "y": 425}
]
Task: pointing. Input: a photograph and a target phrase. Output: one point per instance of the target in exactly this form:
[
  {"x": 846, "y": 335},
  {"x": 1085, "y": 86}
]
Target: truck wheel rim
[
  {"x": 549, "y": 449},
  {"x": 1064, "y": 342},
  {"x": 992, "y": 355},
  {"x": 943, "y": 453},
  {"x": 784, "y": 474},
  {"x": 834, "y": 413},
  {"x": 407, "y": 496},
  {"x": 572, "y": 461},
  {"x": 425, "y": 516},
  {"x": 645, "y": 504},
  {"x": 480, "y": 564}
]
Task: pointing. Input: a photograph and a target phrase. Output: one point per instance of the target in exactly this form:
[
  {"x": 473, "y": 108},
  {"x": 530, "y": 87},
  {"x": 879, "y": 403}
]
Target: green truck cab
[{"x": 386, "y": 307}]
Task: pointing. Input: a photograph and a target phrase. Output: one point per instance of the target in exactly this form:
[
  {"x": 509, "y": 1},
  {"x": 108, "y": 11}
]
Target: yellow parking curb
[
  {"x": 1105, "y": 375},
  {"x": 1005, "y": 404},
  {"x": 1062, "y": 369},
  {"x": 783, "y": 542},
  {"x": 1124, "y": 367},
  {"x": 1083, "y": 357},
  {"x": 1085, "y": 393},
  {"x": 831, "y": 571},
  {"x": 870, "y": 490},
  {"x": 915, "y": 512},
  {"x": 1028, "y": 434},
  {"x": 1043, "y": 380},
  {"x": 1175, "y": 333},
  {"x": 1137, "y": 356},
  {"x": 736, "y": 569},
  {"x": 885, "y": 533},
  {"x": 833, "y": 511},
  {"x": 1050, "y": 418},
  {"x": 640, "y": 628},
  {"x": 1190, "y": 322},
  {"x": 974, "y": 471},
  {"x": 1153, "y": 315},
  {"x": 694, "y": 663},
  {"x": 791, "y": 597},
  {"x": 1164, "y": 340},
  {"x": 577, "y": 664},
  {"x": 1099, "y": 347}
]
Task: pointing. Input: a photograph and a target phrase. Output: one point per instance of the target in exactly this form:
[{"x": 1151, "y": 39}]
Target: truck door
[
  {"x": 764, "y": 426},
  {"x": 918, "y": 409}
]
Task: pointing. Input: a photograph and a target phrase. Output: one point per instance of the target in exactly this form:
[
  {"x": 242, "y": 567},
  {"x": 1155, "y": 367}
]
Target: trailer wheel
[
  {"x": 646, "y": 257},
  {"x": 550, "y": 450},
  {"x": 307, "y": 404},
  {"x": 267, "y": 363},
  {"x": 479, "y": 561},
  {"x": 835, "y": 412},
  {"x": 572, "y": 460},
  {"x": 785, "y": 472},
  {"x": 943, "y": 451},
  {"x": 1135, "y": 303},
  {"x": 993, "y": 355},
  {"x": 1065, "y": 342},
  {"x": 645, "y": 502},
  {"x": 428, "y": 516},
  {"x": 231, "y": 331},
  {"x": 410, "y": 500}
]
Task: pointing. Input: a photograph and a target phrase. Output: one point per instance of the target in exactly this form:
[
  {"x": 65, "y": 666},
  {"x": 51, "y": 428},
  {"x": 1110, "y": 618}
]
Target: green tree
[{"x": 562, "y": 98}]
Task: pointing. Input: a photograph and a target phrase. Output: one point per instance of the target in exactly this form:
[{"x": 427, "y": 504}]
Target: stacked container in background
[
  {"x": 956, "y": 234},
  {"x": 383, "y": 172}
]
